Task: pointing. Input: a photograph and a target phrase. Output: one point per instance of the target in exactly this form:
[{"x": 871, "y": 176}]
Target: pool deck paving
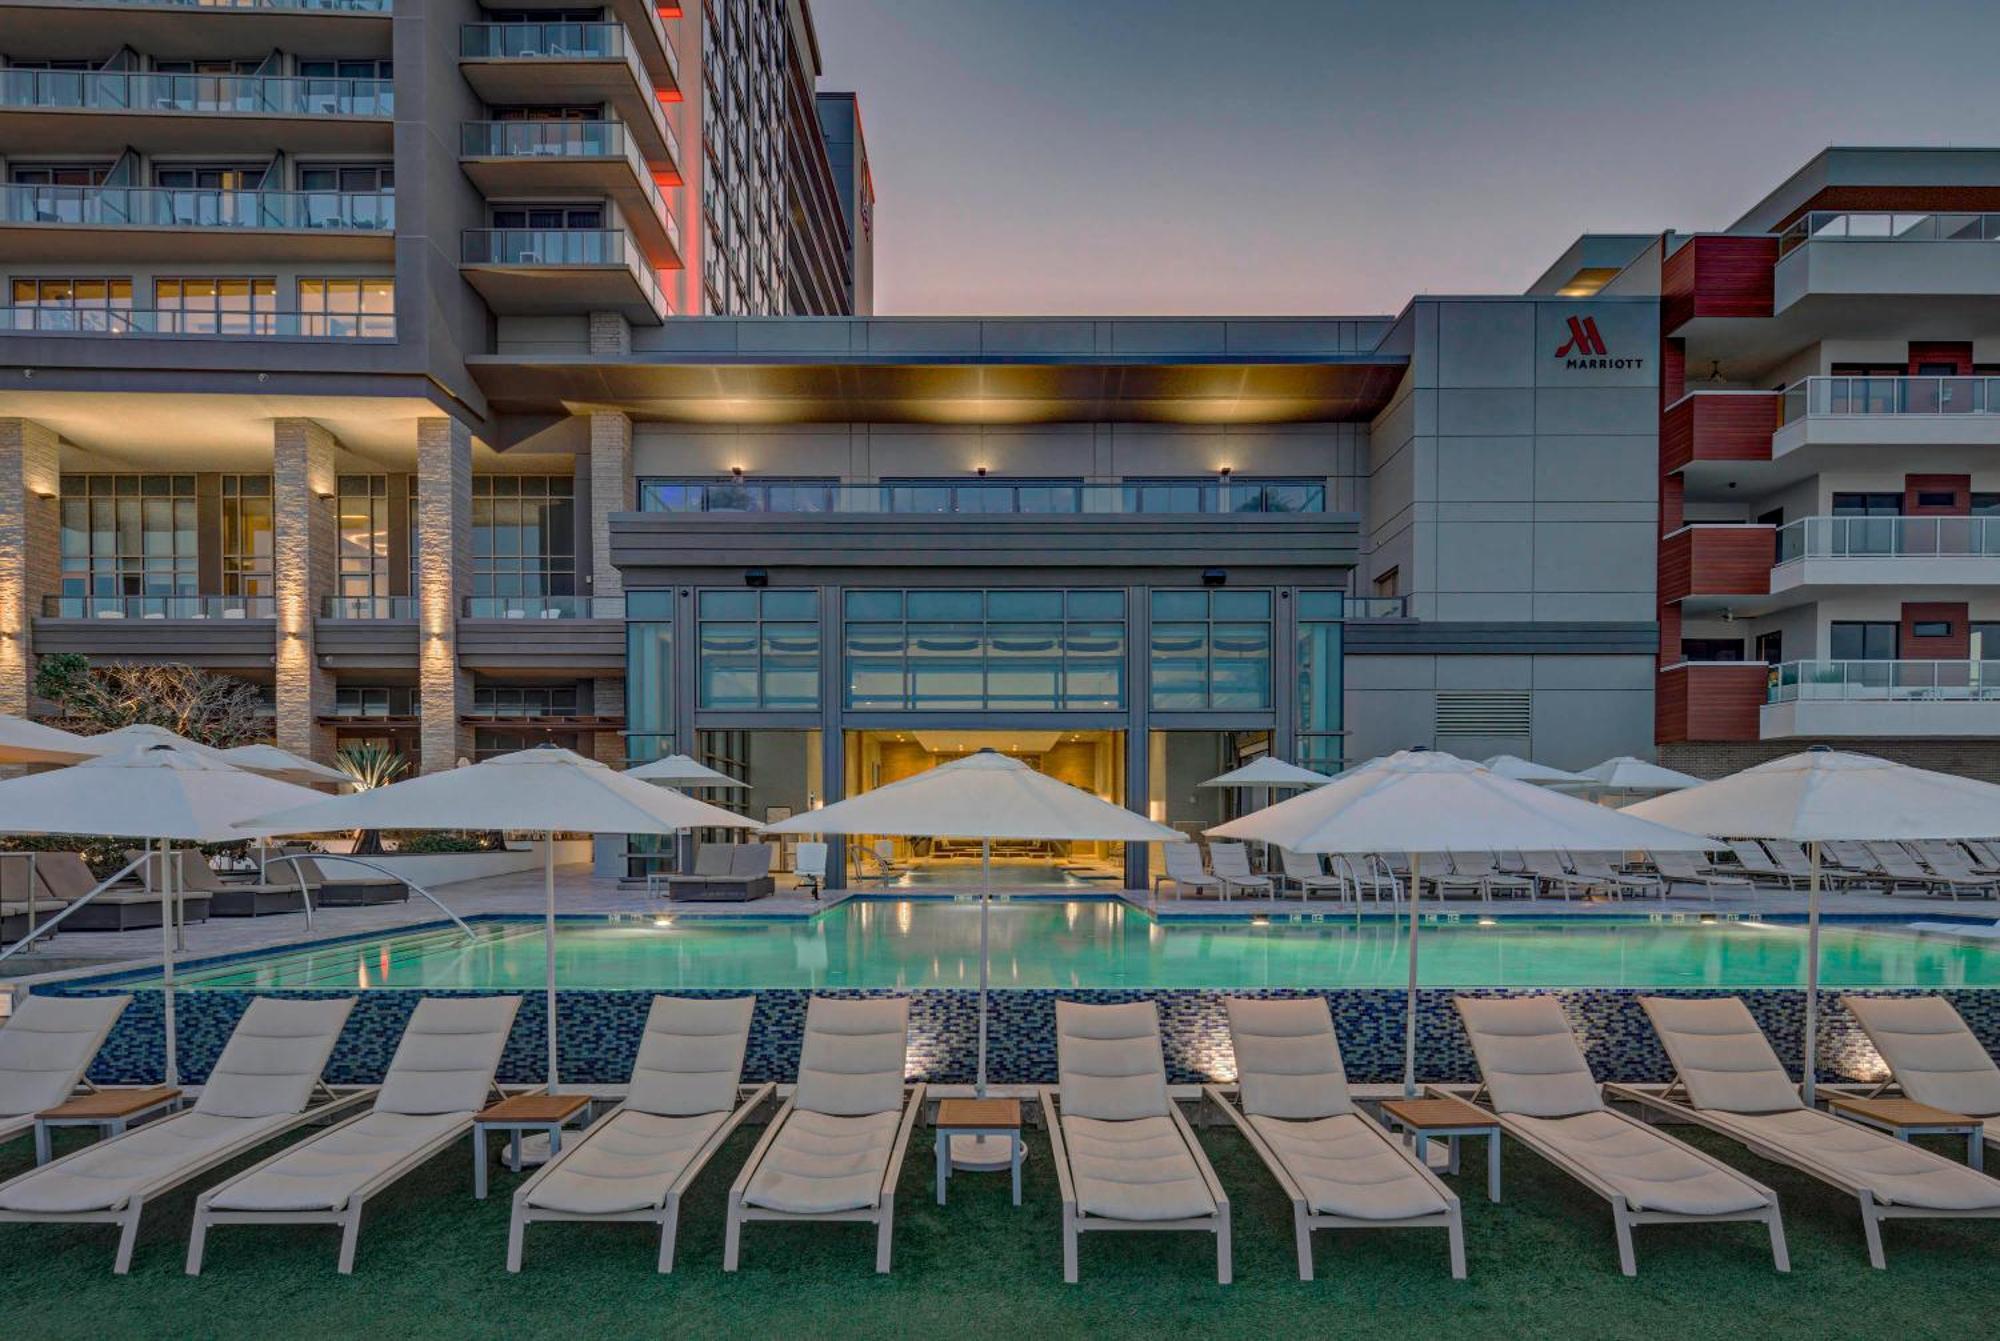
[{"x": 579, "y": 893}]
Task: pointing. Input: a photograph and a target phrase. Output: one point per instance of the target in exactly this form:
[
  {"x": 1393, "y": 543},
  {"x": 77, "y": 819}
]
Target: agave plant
[{"x": 368, "y": 767}]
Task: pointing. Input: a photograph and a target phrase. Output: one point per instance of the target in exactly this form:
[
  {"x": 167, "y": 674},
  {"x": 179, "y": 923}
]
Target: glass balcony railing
[
  {"x": 573, "y": 40},
  {"x": 544, "y": 607},
  {"x": 368, "y": 607},
  {"x": 570, "y": 140},
  {"x": 1821, "y": 397},
  {"x": 1889, "y": 538},
  {"x": 1888, "y": 226},
  {"x": 313, "y": 6},
  {"x": 236, "y": 95},
  {"x": 197, "y": 325},
  {"x": 1885, "y": 681},
  {"x": 158, "y": 607},
  {"x": 169, "y": 207},
  {"x": 986, "y": 498},
  {"x": 1377, "y": 607},
  {"x": 564, "y": 247}
]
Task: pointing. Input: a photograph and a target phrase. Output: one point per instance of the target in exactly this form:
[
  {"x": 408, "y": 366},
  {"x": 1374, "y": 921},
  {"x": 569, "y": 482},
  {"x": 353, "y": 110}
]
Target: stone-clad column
[
  {"x": 611, "y": 490},
  {"x": 303, "y": 486},
  {"x": 30, "y": 549},
  {"x": 444, "y": 565}
]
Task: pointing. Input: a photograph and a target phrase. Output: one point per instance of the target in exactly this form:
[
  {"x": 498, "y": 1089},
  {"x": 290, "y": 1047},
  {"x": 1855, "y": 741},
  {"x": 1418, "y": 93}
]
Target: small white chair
[
  {"x": 809, "y": 866},
  {"x": 1231, "y": 864},
  {"x": 1185, "y": 873}
]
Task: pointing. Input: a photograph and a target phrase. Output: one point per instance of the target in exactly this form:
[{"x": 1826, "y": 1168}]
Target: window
[
  {"x": 247, "y": 567},
  {"x": 1001, "y": 650},
  {"x": 1771, "y": 647},
  {"x": 1211, "y": 650},
  {"x": 74, "y": 304},
  {"x": 1985, "y": 640},
  {"x": 1207, "y": 493},
  {"x": 374, "y": 701},
  {"x": 982, "y": 495},
  {"x": 1985, "y": 505},
  {"x": 1863, "y": 640},
  {"x": 341, "y": 307},
  {"x": 217, "y": 304},
  {"x": 1319, "y": 650},
  {"x": 524, "y": 700},
  {"x": 1389, "y": 583},
  {"x": 58, "y": 174},
  {"x": 1868, "y": 505},
  {"x": 559, "y": 218},
  {"x": 490, "y": 742},
  {"x": 728, "y": 494},
  {"x": 1931, "y": 628},
  {"x": 758, "y": 649},
  {"x": 343, "y": 69},
  {"x": 129, "y": 535},
  {"x": 649, "y": 674},
  {"x": 362, "y": 510},
  {"x": 1711, "y": 649},
  {"x": 351, "y": 178},
  {"x": 209, "y": 177},
  {"x": 1936, "y": 498},
  {"x": 523, "y": 535}
]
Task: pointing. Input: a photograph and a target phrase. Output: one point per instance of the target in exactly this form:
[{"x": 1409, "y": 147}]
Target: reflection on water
[{"x": 1103, "y": 943}]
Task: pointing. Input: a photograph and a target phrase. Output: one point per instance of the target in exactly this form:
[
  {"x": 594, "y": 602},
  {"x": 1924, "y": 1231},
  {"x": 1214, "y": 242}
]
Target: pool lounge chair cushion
[
  {"x": 1134, "y": 1169},
  {"x": 47, "y": 1044},
  {"x": 1649, "y": 1173},
  {"x": 1344, "y": 1166},
  {"x": 627, "y": 1164},
  {"x": 1721, "y": 1055},
  {"x": 1529, "y": 1057},
  {"x": 1288, "y": 1059},
  {"x": 1926, "y": 1043}
]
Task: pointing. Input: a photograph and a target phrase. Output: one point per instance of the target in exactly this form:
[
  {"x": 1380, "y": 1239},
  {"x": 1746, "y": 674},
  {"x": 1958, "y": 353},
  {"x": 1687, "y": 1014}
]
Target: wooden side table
[
  {"x": 522, "y": 1113},
  {"x": 110, "y": 1111},
  {"x": 1904, "y": 1118},
  {"x": 1422, "y": 1119},
  {"x": 978, "y": 1117}
]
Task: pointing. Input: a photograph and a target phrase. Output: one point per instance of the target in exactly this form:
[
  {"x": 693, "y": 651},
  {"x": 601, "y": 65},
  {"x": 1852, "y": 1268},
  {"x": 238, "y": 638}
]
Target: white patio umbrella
[
  {"x": 1525, "y": 770},
  {"x": 26, "y": 742},
  {"x": 986, "y": 795},
  {"x": 1827, "y": 795},
  {"x": 160, "y": 792},
  {"x": 1426, "y": 801},
  {"x": 1265, "y": 771},
  {"x": 276, "y": 763},
  {"x": 679, "y": 770},
  {"x": 545, "y": 790},
  {"x": 1627, "y": 776}
]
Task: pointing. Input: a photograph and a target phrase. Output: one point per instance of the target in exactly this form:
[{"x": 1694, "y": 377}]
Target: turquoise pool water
[{"x": 1088, "y": 943}]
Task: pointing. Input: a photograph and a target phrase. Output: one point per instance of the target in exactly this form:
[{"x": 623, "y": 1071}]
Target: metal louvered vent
[{"x": 1482, "y": 712}]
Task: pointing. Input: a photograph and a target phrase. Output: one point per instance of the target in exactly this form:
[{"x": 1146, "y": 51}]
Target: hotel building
[{"x": 584, "y": 433}]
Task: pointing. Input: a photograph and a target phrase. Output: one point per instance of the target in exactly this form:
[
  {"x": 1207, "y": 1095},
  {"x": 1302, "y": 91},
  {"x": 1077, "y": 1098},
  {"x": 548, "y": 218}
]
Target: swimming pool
[{"x": 1105, "y": 944}]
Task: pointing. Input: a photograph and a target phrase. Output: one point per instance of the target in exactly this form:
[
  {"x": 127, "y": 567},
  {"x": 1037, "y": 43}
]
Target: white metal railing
[
  {"x": 1888, "y": 226},
  {"x": 1884, "y": 681},
  {"x": 1817, "y": 397},
  {"x": 251, "y": 95},
  {"x": 1889, "y": 538}
]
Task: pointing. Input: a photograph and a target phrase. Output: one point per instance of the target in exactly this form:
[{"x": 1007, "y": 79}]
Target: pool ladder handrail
[
  {"x": 44, "y": 928},
  {"x": 364, "y": 863}
]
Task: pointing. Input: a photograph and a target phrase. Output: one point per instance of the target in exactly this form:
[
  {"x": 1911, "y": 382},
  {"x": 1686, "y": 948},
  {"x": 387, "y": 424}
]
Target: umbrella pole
[
  {"x": 1410, "y": 1016},
  {"x": 173, "y": 1074},
  {"x": 549, "y": 944},
  {"x": 985, "y": 893},
  {"x": 1812, "y": 967}
]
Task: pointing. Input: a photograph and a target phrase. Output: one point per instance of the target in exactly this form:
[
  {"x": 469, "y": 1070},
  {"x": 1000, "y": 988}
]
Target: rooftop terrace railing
[
  {"x": 236, "y": 95},
  {"x": 1889, "y": 538},
  {"x": 172, "y": 207},
  {"x": 322, "y": 6},
  {"x": 1887, "y": 226},
  {"x": 197, "y": 324},
  {"x": 1885, "y": 681},
  {"x": 1819, "y": 397}
]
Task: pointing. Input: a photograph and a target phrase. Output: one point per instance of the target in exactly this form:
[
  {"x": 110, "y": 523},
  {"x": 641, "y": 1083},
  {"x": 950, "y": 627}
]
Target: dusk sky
[{"x": 1337, "y": 156}]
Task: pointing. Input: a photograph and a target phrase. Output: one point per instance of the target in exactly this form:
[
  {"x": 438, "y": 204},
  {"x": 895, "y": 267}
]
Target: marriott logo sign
[{"x": 1585, "y": 348}]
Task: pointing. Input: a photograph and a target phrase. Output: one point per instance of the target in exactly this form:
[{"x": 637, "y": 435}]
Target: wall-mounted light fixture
[
  {"x": 1225, "y": 471},
  {"x": 980, "y": 471},
  {"x": 1214, "y": 577},
  {"x": 756, "y": 577},
  {"x": 737, "y": 471}
]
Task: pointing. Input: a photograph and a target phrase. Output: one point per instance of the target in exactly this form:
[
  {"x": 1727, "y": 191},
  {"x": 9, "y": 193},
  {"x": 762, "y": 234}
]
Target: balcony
[
  {"x": 514, "y": 63},
  {"x": 1882, "y": 698},
  {"x": 1702, "y": 562},
  {"x": 136, "y": 323},
  {"x": 540, "y": 634},
  {"x": 196, "y": 29},
  {"x": 544, "y": 607},
  {"x": 562, "y": 160},
  {"x": 99, "y": 113},
  {"x": 1718, "y": 426},
  {"x": 1817, "y": 555},
  {"x": 97, "y": 224},
  {"x": 1889, "y": 412},
  {"x": 368, "y": 607},
  {"x": 224, "y": 632},
  {"x": 1709, "y": 700},
  {"x": 555, "y": 271},
  {"x": 1863, "y": 253},
  {"x": 986, "y": 497}
]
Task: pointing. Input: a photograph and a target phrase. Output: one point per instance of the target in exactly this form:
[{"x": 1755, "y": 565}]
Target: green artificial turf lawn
[{"x": 432, "y": 1265}]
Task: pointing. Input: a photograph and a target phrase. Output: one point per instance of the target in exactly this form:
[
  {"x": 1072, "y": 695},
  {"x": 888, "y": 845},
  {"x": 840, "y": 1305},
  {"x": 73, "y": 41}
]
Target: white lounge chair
[
  {"x": 1948, "y": 862},
  {"x": 1932, "y": 1054},
  {"x": 1339, "y": 1168},
  {"x": 1735, "y": 1085},
  {"x": 1124, "y": 1155},
  {"x": 1902, "y": 870},
  {"x": 1551, "y": 870},
  {"x": 262, "y": 1087},
  {"x": 1303, "y": 869},
  {"x": 1678, "y": 868},
  {"x": 1184, "y": 872},
  {"x": 809, "y": 867},
  {"x": 45, "y": 1047},
  {"x": 637, "y": 1163},
  {"x": 1541, "y": 1090},
  {"x": 835, "y": 1150},
  {"x": 1757, "y": 864},
  {"x": 1596, "y": 868},
  {"x": 1231, "y": 864},
  {"x": 438, "y": 1080}
]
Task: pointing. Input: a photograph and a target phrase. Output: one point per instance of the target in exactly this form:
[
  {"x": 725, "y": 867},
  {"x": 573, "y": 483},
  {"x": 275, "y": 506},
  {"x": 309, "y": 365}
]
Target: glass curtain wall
[
  {"x": 1004, "y": 650},
  {"x": 1211, "y": 650},
  {"x": 248, "y": 558},
  {"x": 1316, "y": 664},
  {"x": 758, "y": 649},
  {"x": 523, "y": 537},
  {"x": 126, "y": 536}
]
